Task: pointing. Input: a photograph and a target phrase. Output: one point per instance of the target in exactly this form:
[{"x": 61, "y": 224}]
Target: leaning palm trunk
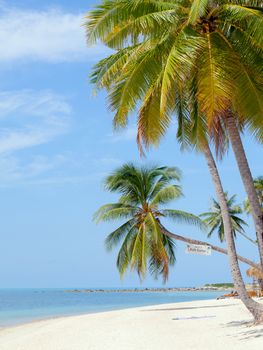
[
  {"x": 255, "y": 308},
  {"x": 247, "y": 180},
  {"x": 198, "y": 242}
]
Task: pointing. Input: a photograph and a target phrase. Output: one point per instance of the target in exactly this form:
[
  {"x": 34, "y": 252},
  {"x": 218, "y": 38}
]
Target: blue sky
[{"x": 56, "y": 146}]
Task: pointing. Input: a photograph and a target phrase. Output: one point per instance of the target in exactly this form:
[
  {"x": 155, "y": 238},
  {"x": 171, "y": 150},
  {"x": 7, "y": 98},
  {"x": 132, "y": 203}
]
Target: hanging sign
[{"x": 198, "y": 249}]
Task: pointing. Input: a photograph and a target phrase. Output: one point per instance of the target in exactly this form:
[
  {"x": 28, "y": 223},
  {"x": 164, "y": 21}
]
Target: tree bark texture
[
  {"x": 247, "y": 179},
  {"x": 255, "y": 308}
]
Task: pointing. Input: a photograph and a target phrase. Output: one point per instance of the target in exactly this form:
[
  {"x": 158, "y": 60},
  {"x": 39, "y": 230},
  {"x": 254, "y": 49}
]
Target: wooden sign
[{"x": 198, "y": 249}]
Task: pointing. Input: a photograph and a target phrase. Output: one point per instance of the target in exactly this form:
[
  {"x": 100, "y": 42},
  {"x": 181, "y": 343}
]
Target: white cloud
[
  {"x": 15, "y": 171},
  {"x": 61, "y": 180},
  {"x": 50, "y": 36},
  {"x": 30, "y": 118},
  {"x": 127, "y": 134},
  {"x": 42, "y": 170}
]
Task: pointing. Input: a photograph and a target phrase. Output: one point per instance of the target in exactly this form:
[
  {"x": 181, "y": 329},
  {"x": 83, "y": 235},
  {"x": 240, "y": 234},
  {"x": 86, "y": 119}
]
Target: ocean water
[{"x": 18, "y": 306}]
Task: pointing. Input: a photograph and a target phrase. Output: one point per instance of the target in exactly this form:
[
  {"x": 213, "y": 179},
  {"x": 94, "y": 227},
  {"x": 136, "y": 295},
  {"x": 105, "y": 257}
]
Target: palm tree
[
  {"x": 258, "y": 183},
  {"x": 172, "y": 53},
  {"x": 142, "y": 237},
  {"x": 212, "y": 48},
  {"x": 143, "y": 194},
  {"x": 213, "y": 219}
]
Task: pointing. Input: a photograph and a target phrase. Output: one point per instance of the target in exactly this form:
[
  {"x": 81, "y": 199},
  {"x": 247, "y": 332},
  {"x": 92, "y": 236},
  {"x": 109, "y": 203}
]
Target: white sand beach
[{"x": 207, "y": 324}]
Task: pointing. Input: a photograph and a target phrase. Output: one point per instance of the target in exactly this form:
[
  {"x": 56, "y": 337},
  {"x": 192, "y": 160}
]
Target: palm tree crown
[
  {"x": 143, "y": 193},
  {"x": 213, "y": 219},
  {"x": 203, "y": 54}
]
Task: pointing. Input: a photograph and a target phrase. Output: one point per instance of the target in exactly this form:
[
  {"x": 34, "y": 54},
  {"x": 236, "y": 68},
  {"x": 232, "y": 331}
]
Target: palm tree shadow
[
  {"x": 239, "y": 323},
  {"x": 188, "y": 308},
  {"x": 246, "y": 331},
  {"x": 253, "y": 333}
]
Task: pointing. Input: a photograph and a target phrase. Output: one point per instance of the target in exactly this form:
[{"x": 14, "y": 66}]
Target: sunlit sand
[{"x": 206, "y": 324}]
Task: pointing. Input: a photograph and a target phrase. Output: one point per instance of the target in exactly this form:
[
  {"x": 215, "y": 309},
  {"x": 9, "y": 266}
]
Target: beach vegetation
[
  {"x": 197, "y": 61},
  {"x": 214, "y": 221}
]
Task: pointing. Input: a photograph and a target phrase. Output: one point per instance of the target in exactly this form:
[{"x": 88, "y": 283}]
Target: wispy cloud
[
  {"x": 50, "y": 36},
  {"x": 15, "y": 171},
  {"x": 30, "y": 118},
  {"x": 127, "y": 134},
  {"x": 42, "y": 170}
]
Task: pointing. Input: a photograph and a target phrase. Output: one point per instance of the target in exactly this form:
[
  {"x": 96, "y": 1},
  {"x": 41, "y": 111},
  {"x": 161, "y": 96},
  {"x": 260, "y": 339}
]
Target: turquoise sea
[{"x": 19, "y": 306}]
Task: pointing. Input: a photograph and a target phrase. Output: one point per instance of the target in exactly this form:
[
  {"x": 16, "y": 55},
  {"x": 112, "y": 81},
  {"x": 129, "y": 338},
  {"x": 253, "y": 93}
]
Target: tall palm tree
[
  {"x": 143, "y": 194},
  {"x": 213, "y": 219},
  {"x": 168, "y": 51},
  {"x": 214, "y": 48},
  {"x": 258, "y": 183}
]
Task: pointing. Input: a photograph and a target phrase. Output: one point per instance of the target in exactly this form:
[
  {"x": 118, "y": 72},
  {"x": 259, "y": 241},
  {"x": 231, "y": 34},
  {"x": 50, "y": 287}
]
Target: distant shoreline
[{"x": 151, "y": 290}]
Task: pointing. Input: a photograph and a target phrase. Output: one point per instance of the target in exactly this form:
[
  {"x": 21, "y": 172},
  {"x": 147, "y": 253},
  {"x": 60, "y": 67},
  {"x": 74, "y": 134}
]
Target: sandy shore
[{"x": 209, "y": 324}]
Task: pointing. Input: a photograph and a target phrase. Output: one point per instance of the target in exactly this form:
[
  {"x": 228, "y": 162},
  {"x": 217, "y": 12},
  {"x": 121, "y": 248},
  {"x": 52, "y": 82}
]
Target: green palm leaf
[
  {"x": 114, "y": 211},
  {"x": 116, "y": 236},
  {"x": 166, "y": 195},
  {"x": 197, "y": 10},
  {"x": 141, "y": 191},
  {"x": 183, "y": 217}
]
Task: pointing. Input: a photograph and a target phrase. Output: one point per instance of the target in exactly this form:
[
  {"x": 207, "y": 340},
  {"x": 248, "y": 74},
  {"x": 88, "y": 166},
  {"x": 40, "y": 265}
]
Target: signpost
[{"x": 198, "y": 249}]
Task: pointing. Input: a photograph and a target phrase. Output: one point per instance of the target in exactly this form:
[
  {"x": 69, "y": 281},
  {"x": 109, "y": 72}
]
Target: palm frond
[
  {"x": 250, "y": 18},
  {"x": 197, "y": 10},
  {"x": 160, "y": 252},
  {"x": 138, "y": 17},
  {"x": 124, "y": 255},
  {"x": 166, "y": 195},
  {"x": 184, "y": 217},
  {"x": 114, "y": 211},
  {"x": 139, "y": 252},
  {"x": 117, "y": 235},
  {"x": 215, "y": 82},
  {"x": 151, "y": 127},
  {"x": 178, "y": 64}
]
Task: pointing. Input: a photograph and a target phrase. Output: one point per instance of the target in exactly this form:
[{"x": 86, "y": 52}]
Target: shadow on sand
[
  {"x": 188, "y": 308},
  {"x": 247, "y": 330}
]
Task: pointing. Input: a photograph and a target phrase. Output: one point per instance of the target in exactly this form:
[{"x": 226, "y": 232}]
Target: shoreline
[
  {"x": 182, "y": 324},
  {"x": 151, "y": 290},
  {"x": 91, "y": 312}
]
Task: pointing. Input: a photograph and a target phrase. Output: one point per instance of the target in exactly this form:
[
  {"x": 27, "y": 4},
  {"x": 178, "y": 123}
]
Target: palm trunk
[
  {"x": 247, "y": 180},
  {"x": 255, "y": 308},
  {"x": 213, "y": 247}
]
